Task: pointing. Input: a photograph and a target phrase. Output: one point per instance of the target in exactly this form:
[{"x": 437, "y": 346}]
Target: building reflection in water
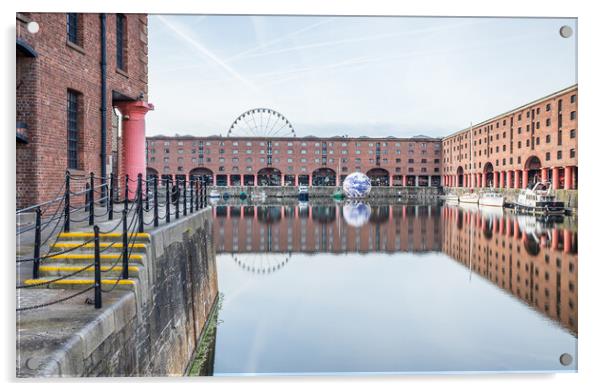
[
  {"x": 323, "y": 228},
  {"x": 533, "y": 260}
]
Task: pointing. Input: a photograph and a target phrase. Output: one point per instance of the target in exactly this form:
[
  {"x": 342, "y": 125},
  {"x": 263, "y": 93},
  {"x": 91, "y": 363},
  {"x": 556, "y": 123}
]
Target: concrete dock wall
[{"x": 151, "y": 330}]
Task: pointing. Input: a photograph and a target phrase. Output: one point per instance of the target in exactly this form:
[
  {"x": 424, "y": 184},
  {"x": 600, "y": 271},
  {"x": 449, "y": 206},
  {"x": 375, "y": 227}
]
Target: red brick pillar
[
  {"x": 525, "y": 178},
  {"x": 502, "y": 178},
  {"x": 555, "y": 178},
  {"x": 516, "y": 179},
  {"x": 568, "y": 177},
  {"x": 404, "y": 180},
  {"x": 509, "y": 183},
  {"x": 133, "y": 137},
  {"x": 495, "y": 179}
]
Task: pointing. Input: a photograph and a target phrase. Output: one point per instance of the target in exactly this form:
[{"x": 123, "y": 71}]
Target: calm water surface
[{"x": 338, "y": 288}]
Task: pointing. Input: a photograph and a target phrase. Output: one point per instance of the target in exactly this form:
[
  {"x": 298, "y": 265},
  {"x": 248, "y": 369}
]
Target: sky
[{"x": 356, "y": 76}]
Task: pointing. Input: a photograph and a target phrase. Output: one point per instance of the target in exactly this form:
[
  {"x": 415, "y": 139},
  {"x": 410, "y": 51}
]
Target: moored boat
[
  {"x": 469, "y": 198},
  {"x": 449, "y": 197},
  {"x": 491, "y": 198},
  {"x": 537, "y": 198},
  {"x": 214, "y": 194}
]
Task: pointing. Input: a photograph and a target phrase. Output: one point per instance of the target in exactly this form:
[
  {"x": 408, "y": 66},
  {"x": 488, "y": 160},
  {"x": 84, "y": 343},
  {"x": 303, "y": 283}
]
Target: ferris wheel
[
  {"x": 261, "y": 263},
  {"x": 261, "y": 122}
]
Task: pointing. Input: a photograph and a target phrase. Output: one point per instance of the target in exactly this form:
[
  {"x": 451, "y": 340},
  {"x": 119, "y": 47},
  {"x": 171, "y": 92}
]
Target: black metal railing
[{"x": 83, "y": 208}]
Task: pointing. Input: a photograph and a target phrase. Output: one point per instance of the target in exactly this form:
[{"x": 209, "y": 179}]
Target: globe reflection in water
[
  {"x": 356, "y": 214},
  {"x": 357, "y": 185}
]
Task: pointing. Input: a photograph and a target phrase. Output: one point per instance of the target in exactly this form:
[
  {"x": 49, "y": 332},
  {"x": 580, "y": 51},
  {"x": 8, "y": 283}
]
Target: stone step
[
  {"x": 79, "y": 283},
  {"x": 105, "y": 258},
  {"x": 109, "y": 246},
  {"x": 141, "y": 237},
  {"x": 107, "y": 271}
]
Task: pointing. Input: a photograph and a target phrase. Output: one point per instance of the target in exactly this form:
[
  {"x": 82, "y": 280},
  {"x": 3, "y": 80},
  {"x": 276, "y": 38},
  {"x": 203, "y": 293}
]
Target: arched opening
[
  {"x": 323, "y": 177},
  {"x": 533, "y": 167},
  {"x": 151, "y": 173},
  {"x": 202, "y": 173},
  {"x": 460, "y": 177},
  {"x": 269, "y": 176},
  {"x": 488, "y": 171},
  {"x": 378, "y": 177}
]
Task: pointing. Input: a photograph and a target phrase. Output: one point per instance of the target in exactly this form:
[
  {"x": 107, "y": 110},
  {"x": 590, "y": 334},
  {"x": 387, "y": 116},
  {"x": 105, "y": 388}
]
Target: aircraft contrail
[{"x": 206, "y": 52}]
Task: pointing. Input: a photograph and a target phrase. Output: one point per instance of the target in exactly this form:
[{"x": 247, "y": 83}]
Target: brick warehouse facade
[
  {"x": 58, "y": 95},
  {"x": 537, "y": 141},
  {"x": 292, "y": 161}
]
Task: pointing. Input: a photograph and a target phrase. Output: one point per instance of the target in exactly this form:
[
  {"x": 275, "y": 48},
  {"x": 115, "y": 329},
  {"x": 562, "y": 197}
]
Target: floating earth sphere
[
  {"x": 357, "y": 185},
  {"x": 356, "y": 214}
]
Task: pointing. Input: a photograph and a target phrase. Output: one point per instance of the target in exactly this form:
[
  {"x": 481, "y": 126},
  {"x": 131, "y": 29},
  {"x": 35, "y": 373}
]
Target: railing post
[
  {"x": 168, "y": 201},
  {"x": 67, "y": 222},
  {"x": 126, "y": 202},
  {"x": 185, "y": 205},
  {"x": 140, "y": 206},
  {"x": 146, "y": 206},
  {"x": 155, "y": 203},
  {"x": 196, "y": 195},
  {"x": 87, "y": 198},
  {"x": 97, "y": 291},
  {"x": 124, "y": 250},
  {"x": 204, "y": 193},
  {"x": 111, "y": 193},
  {"x": 191, "y": 196},
  {"x": 37, "y": 244},
  {"x": 178, "y": 199},
  {"x": 91, "y": 199}
]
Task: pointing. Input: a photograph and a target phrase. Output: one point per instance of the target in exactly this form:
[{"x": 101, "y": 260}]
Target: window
[
  {"x": 573, "y": 98},
  {"x": 573, "y": 115},
  {"x": 573, "y": 133},
  {"x": 559, "y": 155},
  {"x": 560, "y": 137},
  {"x": 572, "y": 153},
  {"x": 72, "y": 29},
  {"x": 73, "y": 101},
  {"x": 121, "y": 43},
  {"x": 547, "y": 155}
]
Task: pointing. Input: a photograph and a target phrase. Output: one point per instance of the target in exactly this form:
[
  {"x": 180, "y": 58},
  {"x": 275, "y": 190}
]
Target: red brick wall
[
  {"x": 258, "y": 151},
  {"x": 60, "y": 66},
  {"x": 502, "y": 141}
]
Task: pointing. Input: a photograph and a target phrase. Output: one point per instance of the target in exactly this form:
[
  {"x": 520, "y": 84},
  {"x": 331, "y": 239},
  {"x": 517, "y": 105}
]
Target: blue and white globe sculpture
[
  {"x": 357, "y": 185},
  {"x": 356, "y": 214}
]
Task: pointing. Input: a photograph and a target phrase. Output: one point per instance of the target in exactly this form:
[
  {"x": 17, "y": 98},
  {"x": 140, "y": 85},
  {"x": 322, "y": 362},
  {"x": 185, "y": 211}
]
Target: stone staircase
[{"x": 81, "y": 257}]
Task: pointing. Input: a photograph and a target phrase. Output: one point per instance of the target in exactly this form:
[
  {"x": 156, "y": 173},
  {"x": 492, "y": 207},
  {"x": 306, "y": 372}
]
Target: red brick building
[
  {"x": 537, "y": 141},
  {"x": 62, "y": 116},
  {"x": 249, "y": 161}
]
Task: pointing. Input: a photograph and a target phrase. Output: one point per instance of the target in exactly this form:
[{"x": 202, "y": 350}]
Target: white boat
[
  {"x": 214, "y": 194},
  {"x": 491, "y": 198},
  {"x": 538, "y": 199},
  {"x": 449, "y": 197},
  {"x": 469, "y": 198}
]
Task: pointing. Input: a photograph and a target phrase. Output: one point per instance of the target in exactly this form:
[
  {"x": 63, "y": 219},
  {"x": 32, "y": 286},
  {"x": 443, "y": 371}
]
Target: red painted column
[
  {"x": 568, "y": 177},
  {"x": 133, "y": 137},
  {"x": 525, "y": 178},
  {"x": 516, "y": 179},
  {"x": 502, "y": 178},
  {"x": 509, "y": 183},
  {"x": 555, "y": 178},
  {"x": 495, "y": 179},
  {"x": 544, "y": 174},
  {"x": 516, "y": 230}
]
